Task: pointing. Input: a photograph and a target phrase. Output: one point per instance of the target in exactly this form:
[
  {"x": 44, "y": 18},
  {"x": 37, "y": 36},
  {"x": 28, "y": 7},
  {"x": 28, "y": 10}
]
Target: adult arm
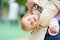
[
  {"x": 57, "y": 3},
  {"x": 48, "y": 13}
]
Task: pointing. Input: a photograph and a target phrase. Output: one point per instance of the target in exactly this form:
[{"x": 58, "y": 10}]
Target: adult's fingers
[{"x": 30, "y": 5}]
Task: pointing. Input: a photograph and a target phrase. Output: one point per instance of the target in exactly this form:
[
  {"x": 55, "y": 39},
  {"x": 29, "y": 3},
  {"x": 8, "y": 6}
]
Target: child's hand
[
  {"x": 53, "y": 31},
  {"x": 53, "y": 27}
]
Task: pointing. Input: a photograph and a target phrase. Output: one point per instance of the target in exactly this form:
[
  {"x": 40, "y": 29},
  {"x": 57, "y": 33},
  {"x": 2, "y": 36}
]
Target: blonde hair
[{"x": 24, "y": 26}]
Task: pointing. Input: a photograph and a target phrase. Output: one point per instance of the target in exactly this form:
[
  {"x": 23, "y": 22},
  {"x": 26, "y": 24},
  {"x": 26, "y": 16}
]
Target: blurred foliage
[
  {"x": 6, "y": 4},
  {"x": 22, "y": 2}
]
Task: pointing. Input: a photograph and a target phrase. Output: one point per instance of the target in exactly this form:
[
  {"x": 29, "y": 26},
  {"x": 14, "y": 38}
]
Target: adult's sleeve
[
  {"x": 48, "y": 13},
  {"x": 57, "y": 3}
]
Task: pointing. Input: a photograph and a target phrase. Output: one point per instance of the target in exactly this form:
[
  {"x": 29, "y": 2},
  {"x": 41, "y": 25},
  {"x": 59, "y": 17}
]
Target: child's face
[{"x": 31, "y": 21}]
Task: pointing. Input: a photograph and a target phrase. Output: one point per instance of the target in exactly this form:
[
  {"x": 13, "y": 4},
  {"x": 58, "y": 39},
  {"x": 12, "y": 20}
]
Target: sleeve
[
  {"x": 48, "y": 13},
  {"x": 54, "y": 23},
  {"x": 57, "y": 3}
]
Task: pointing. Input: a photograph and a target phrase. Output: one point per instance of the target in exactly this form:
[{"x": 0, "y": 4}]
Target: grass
[{"x": 12, "y": 32}]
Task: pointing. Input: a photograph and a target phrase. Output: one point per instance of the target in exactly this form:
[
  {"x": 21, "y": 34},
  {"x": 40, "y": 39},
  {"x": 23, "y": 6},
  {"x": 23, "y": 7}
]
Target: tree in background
[{"x": 22, "y": 8}]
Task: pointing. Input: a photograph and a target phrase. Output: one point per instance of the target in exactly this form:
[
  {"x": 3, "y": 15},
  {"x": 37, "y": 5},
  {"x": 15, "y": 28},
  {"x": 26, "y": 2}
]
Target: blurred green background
[{"x": 12, "y": 32}]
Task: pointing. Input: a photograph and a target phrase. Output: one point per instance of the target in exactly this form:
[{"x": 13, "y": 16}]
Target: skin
[
  {"x": 53, "y": 31},
  {"x": 31, "y": 21},
  {"x": 30, "y": 5}
]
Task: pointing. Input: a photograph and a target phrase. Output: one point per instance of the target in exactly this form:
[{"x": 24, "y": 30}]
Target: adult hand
[{"x": 30, "y": 6}]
